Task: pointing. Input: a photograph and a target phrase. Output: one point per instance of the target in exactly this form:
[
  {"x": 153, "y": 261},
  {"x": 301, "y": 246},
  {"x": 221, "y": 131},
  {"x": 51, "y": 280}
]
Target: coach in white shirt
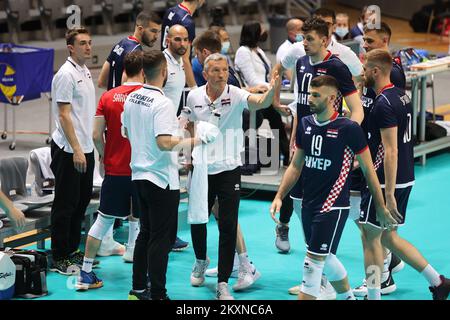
[
  {"x": 150, "y": 123},
  {"x": 224, "y": 159},
  {"x": 72, "y": 150},
  {"x": 177, "y": 45}
]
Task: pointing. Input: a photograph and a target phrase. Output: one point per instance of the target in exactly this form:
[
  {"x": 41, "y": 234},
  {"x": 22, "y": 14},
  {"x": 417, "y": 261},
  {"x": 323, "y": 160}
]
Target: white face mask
[
  {"x": 298, "y": 37},
  {"x": 341, "y": 31},
  {"x": 225, "y": 47}
]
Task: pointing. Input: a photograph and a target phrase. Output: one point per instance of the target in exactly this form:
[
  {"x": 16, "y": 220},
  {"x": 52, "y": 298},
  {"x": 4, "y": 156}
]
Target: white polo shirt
[
  {"x": 225, "y": 153},
  {"x": 283, "y": 50},
  {"x": 147, "y": 114},
  {"x": 176, "y": 79},
  {"x": 347, "y": 56},
  {"x": 73, "y": 84}
]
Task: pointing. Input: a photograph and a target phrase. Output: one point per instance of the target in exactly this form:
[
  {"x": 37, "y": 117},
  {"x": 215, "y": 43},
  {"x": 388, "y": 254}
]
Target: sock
[
  {"x": 346, "y": 295},
  {"x": 133, "y": 232},
  {"x": 432, "y": 276},
  {"x": 236, "y": 261},
  {"x": 374, "y": 293},
  {"x": 243, "y": 259},
  {"x": 387, "y": 262},
  {"x": 87, "y": 264},
  {"x": 384, "y": 276}
]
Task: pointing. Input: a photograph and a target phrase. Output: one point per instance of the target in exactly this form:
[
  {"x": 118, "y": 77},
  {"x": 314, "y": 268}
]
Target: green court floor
[{"x": 427, "y": 227}]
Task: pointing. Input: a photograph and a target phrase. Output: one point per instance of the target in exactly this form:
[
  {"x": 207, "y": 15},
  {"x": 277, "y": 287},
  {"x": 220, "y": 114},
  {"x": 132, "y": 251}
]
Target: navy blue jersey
[
  {"x": 331, "y": 66},
  {"x": 116, "y": 57},
  {"x": 329, "y": 149},
  {"x": 397, "y": 78},
  {"x": 177, "y": 15},
  {"x": 392, "y": 108}
]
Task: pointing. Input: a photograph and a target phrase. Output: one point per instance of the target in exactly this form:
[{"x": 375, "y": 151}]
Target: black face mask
[{"x": 263, "y": 37}]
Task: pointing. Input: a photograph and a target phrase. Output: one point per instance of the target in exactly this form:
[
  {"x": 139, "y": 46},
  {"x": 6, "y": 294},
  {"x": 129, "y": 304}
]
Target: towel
[
  {"x": 198, "y": 186},
  {"x": 44, "y": 157}
]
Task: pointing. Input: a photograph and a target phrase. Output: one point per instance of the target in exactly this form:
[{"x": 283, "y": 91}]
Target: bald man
[
  {"x": 177, "y": 42},
  {"x": 294, "y": 31}
]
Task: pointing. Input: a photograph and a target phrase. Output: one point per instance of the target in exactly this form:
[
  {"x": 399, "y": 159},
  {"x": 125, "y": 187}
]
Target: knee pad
[
  {"x": 298, "y": 208},
  {"x": 100, "y": 226},
  {"x": 312, "y": 276},
  {"x": 355, "y": 208},
  {"x": 333, "y": 269}
]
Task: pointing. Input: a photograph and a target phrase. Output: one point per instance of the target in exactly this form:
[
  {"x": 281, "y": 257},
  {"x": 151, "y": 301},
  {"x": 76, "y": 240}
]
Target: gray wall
[{"x": 403, "y": 9}]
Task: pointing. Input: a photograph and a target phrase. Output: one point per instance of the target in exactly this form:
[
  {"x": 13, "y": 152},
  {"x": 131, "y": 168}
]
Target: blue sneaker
[
  {"x": 179, "y": 245},
  {"x": 88, "y": 281}
]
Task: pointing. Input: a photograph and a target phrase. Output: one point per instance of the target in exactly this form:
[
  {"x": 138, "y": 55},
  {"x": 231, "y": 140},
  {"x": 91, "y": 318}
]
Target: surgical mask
[
  {"x": 298, "y": 37},
  {"x": 225, "y": 47},
  {"x": 341, "y": 31}
]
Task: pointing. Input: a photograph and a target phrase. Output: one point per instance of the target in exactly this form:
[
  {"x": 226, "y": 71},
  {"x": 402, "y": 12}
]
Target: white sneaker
[
  {"x": 213, "y": 272},
  {"x": 327, "y": 291},
  {"x": 222, "y": 292},
  {"x": 388, "y": 286},
  {"x": 247, "y": 276},
  {"x": 110, "y": 247},
  {"x": 295, "y": 290},
  {"x": 129, "y": 253},
  {"x": 198, "y": 272}
]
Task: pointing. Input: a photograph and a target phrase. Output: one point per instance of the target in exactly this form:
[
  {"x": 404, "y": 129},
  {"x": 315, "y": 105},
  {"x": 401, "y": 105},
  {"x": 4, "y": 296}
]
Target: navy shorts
[
  {"x": 368, "y": 212},
  {"x": 323, "y": 231},
  {"x": 118, "y": 197},
  {"x": 357, "y": 180}
]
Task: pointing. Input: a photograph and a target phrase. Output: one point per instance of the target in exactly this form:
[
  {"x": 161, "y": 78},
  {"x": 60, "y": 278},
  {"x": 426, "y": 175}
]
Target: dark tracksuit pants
[
  {"x": 226, "y": 187},
  {"x": 73, "y": 191},
  {"x": 159, "y": 219}
]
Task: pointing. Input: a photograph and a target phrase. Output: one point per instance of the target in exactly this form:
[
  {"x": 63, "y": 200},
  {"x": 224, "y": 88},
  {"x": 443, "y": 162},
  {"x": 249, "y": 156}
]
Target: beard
[
  {"x": 181, "y": 51},
  {"x": 147, "y": 41},
  {"x": 369, "y": 82}
]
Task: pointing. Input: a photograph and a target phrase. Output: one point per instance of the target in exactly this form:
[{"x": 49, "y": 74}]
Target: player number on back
[
  {"x": 118, "y": 50},
  {"x": 316, "y": 145},
  {"x": 407, "y": 135}
]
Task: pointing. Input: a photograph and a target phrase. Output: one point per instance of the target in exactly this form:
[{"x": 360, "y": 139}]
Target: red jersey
[{"x": 117, "y": 154}]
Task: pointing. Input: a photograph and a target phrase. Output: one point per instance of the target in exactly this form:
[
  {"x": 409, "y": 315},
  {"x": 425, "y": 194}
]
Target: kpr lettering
[{"x": 317, "y": 163}]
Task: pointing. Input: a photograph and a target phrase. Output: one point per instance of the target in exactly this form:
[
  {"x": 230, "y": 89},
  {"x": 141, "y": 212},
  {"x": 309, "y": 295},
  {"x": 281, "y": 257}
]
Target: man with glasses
[{"x": 146, "y": 31}]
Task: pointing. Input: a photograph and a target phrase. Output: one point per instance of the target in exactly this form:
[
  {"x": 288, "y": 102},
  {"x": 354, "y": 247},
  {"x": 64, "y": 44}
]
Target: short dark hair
[
  {"x": 144, "y": 18},
  {"x": 317, "y": 25},
  {"x": 133, "y": 63},
  {"x": 381, "y": 59},
  {"x": 250, "y": 34},
  {"x": 325, "y": 13},
  {"x": 152, "y": 62},
  {"x": 72, "y": 33},
  {"x": 325, "y": 81},
  {"x": 383, "y": 29},
  {"x": 208, "y": 40}
]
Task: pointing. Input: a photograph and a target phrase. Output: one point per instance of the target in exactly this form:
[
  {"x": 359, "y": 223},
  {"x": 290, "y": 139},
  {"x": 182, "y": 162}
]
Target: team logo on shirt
[
  {"x": 332, "y": 133},
  {"x": 225, "y": 102},
  {"x": 302, "y": 69},
  {"x": 308, "y": 130}
]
